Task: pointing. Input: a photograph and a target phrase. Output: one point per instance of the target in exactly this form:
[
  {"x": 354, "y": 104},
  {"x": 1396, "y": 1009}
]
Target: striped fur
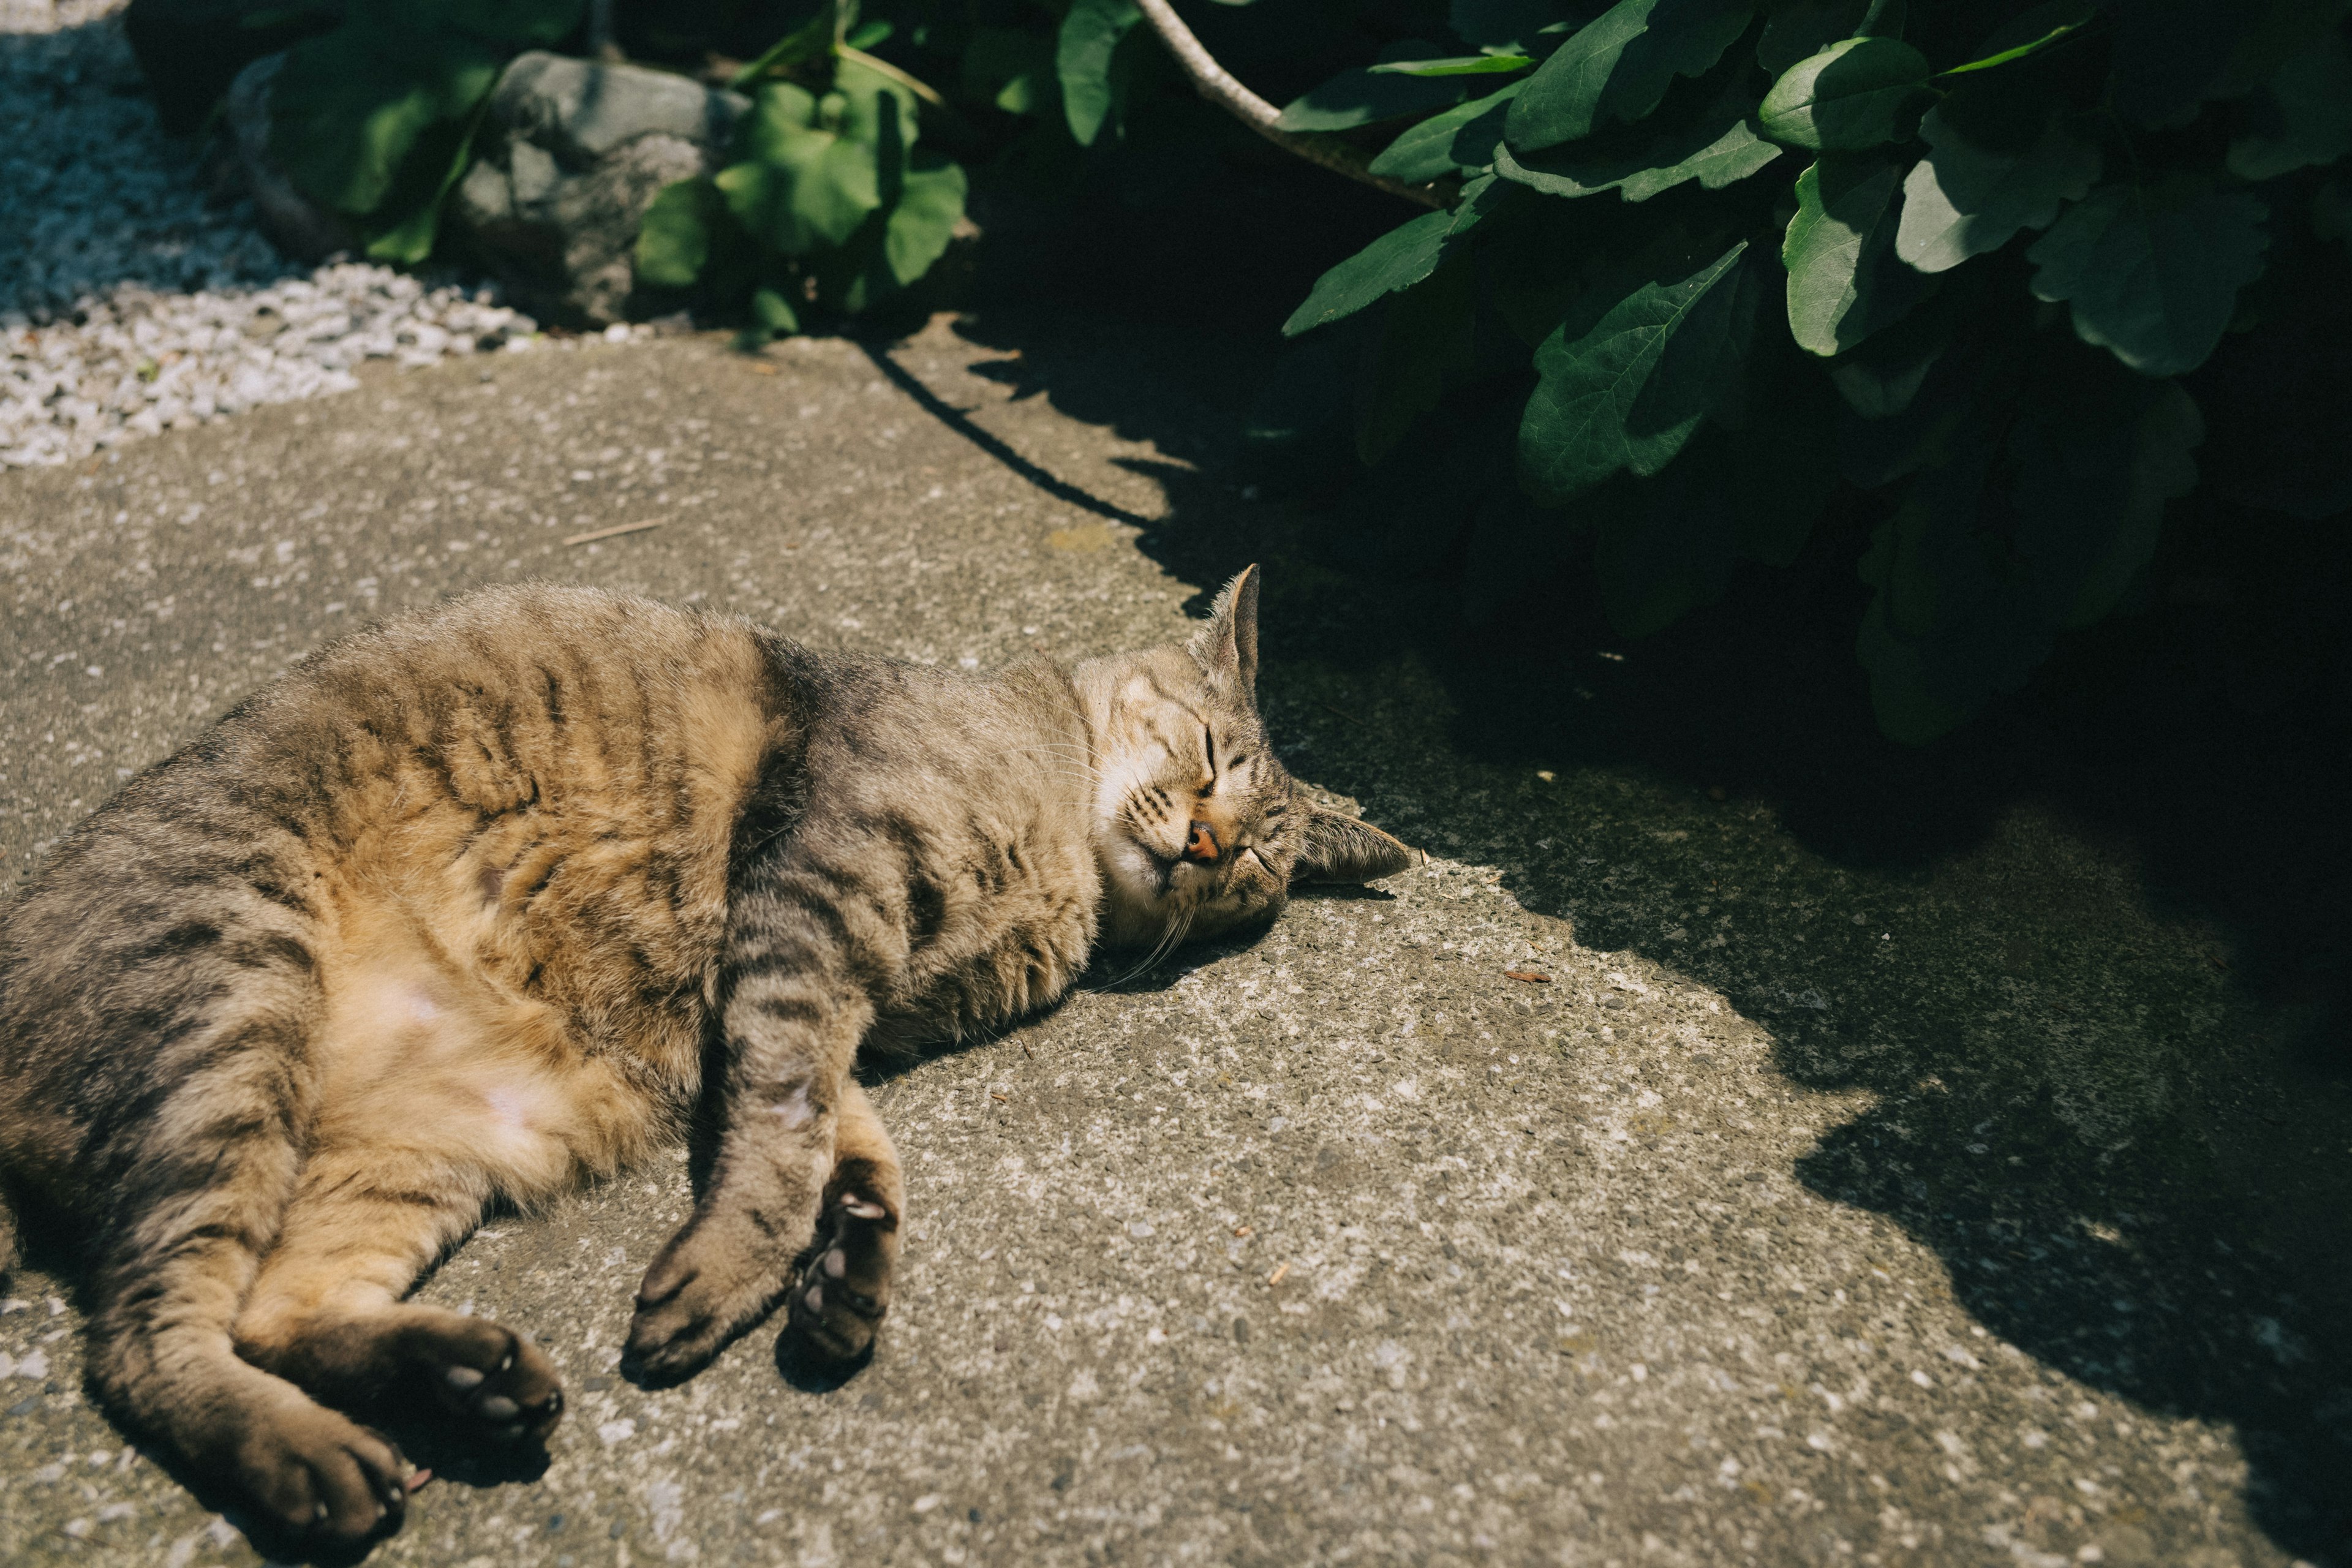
[{"x": 459, "y": 908}]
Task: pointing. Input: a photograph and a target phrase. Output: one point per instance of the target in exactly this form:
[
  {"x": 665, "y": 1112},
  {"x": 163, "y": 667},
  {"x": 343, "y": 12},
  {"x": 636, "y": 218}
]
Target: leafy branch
[{"x": 1222, "y": 88}]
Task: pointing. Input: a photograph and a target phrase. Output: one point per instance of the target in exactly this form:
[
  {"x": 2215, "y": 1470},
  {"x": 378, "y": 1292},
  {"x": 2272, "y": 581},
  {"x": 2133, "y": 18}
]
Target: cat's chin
[{"x": 1142, "y": 892}]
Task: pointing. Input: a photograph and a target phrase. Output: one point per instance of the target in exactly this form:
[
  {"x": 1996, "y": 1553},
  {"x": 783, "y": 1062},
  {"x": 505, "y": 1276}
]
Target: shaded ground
[{"x": 1943, "y": 1195}]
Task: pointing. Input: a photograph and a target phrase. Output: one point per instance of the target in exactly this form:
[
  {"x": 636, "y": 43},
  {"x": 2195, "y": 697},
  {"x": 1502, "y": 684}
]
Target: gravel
[{"x": 136, "y": 296}]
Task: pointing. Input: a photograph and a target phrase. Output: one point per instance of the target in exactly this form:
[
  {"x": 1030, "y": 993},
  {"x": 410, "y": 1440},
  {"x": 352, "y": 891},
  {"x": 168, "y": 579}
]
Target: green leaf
[
  {"x": 1461, "y": 139},
  {"x": 350, "y": 106},
  {"x": 1858, "y": 93},
  {"x": 1460, "y": 65},
  {"x": 2153, "y": 275},
  {"x": 2306, "y": 115},
  {"x": 1398, "y": 259},
  {"x": 1962, "y": 200},
  {"x": 1422, "y": 342},
  {"x": 931, "y": 204},
  {"x": 674, "y": 238},
  {"x": 801, "y": 186},
  {"x": 1366, "y": 96},
  {"x": 1083, "y": 56},
  {"x": 773, "y": 314},
  {"x": 2020, "y": 51},
  {"x": 1629, "y": 393},
  {"x": 1011, "y": 66},
  {"x": 1619, "y": 66},
  {"x": 1720, "y": 148},
  {"x": 1845, "y": 282}
]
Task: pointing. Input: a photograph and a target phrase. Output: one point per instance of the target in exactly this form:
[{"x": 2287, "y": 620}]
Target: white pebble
[{"x": 127, "y": 304}]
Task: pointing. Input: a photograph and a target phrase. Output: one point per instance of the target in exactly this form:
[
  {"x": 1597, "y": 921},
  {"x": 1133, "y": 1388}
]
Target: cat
[{"x": 458, "y": 909}]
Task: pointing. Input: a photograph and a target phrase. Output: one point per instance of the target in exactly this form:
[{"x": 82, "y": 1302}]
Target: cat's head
[{"x": 1197, "y": 828}]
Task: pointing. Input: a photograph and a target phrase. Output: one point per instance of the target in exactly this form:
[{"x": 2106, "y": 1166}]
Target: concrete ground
[{"x": 1640, "y": 1182}]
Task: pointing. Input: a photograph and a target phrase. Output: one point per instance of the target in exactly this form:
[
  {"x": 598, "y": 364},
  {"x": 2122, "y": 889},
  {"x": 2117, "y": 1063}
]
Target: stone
[
  {"x": 571, "y": 154},
  {"x": 298, "y": 225}
]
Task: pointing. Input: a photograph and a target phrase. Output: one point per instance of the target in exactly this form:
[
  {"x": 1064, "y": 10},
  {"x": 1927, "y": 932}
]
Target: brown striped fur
[{"x": 459, "y": 909}]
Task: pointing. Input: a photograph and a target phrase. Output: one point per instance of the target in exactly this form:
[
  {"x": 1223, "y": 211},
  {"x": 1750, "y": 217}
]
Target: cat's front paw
[{"x": 698, "y": 1296}]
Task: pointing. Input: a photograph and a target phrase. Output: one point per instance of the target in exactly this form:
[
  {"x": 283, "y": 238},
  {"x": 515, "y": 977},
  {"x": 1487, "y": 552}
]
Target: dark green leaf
[
  {"x": 1628, "y": 394},
  {"x": 1461, "y": 139},
  {"x": 409, "y": 241},
  {"x": 1619, "y": 66},
  {"x": 2307, "y": 115},
  {"x": 1962, "y": 200},
  {"x": 774, "y": 314},
  {"x": 350, "y": 106},
  {"x": 2153, "y": 275},
  {"x": 1720, "y": 148},
  {"x": 2019, "y": 51},
  {"x": 1422, "y": 342},
  {"x": 803, "y": 186},
  {"x": 1398, "y": 259},
  {"x": 1859, "y": 93},
  {"x": 1362, "y": 97},
  {"x": 1082, "y": 59},
  {"x": 931, "y": 204},
  {"x": 674, "y": 238},
  {"x": 1462, "y": 65},
  {"x": 1845, "y": 282}
]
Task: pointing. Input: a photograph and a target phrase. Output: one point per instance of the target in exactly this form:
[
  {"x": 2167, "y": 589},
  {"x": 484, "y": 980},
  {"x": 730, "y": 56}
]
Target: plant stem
[{"x": 1219, "y": 85}]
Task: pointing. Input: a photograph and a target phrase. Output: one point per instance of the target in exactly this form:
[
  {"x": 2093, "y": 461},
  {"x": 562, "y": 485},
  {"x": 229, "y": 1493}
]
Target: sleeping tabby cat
[{"x": 459, "y": 908}]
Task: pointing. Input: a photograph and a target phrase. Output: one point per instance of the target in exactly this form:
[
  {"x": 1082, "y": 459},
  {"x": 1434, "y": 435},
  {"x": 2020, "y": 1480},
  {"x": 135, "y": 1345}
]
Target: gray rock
[
  {"x": 296, "y": 225},
  {"x": 571, "y": 153}
]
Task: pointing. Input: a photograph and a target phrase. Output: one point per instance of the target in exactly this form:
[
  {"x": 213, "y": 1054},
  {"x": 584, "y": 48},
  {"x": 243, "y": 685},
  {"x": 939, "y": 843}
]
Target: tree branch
[{"x": 1218, "y": 85}]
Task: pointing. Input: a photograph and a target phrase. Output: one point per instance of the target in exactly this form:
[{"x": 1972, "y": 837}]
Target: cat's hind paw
[
  {"x": 493, "y": 1382},
  {"x": 837, "y": 1304}
]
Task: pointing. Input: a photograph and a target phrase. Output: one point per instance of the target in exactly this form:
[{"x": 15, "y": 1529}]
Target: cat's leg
[
  {"x": 327, "y": 1311},
  {"x": 795, "y": 1011},
  {"x": 845, "y": 1288},
  {"x": 197, "y": 1187}
]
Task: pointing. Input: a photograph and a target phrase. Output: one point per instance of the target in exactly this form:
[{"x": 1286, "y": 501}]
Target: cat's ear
[
  {"x": 1227, "y": 644},
  {"x": 1342, "y": 849}
]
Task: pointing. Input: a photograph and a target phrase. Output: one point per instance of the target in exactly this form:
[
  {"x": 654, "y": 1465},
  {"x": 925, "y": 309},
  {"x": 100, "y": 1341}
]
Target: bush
[
  {"x": 1714, "y": 260},
  {"x": 824, "y": 200}
]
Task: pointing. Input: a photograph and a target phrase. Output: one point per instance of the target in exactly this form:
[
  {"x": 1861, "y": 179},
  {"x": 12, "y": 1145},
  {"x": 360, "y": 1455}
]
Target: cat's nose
[{"x": 1202, "y": 845}]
